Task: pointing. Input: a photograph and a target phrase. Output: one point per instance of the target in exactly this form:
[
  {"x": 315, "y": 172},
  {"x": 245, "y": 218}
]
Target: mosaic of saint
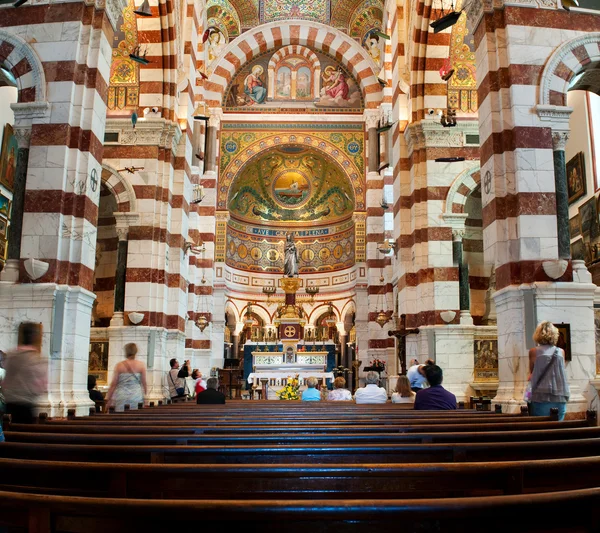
[
  {"x": 301, "y": 80},
  {"x": 291, "y": 185}
]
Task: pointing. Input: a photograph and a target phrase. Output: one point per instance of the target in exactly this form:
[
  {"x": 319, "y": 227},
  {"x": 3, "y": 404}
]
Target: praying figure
[{"x": 290, "y": 265}]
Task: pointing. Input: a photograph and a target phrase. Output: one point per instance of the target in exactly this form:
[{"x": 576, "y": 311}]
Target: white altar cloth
[{"x": 285, "y": 374}]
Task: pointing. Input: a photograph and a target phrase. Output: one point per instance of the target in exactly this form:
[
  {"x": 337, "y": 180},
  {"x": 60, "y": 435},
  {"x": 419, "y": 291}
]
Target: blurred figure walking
[{"x": 26, "y": 374}]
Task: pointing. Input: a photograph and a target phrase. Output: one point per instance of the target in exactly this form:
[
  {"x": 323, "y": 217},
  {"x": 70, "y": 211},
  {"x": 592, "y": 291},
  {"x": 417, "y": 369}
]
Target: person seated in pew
[
  {"x": 403, "y": 393},
  {"x": 340, "y": 392},
  {"x": 435, "y": 397},
  {"x": 371, "y": 392},
  {"x": 211, "y": 395},
  {"x": 311, "y": 394},
  {"x": 94, "y": 393}
]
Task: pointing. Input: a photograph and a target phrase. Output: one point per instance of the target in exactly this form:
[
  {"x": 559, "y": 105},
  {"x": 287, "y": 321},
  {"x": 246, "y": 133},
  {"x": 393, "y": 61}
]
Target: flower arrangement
[
  {"x": 378, "y": 365},
  {"x": 290, "y": 391}
]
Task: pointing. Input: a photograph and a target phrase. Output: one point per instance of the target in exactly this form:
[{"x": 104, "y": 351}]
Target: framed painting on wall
[
  {"x": 3, "y": 249},
  {"x": 3, "y": 227},
  {"x": 574, "y": 227},
  {"x": 98, "y": 361},
  {"x": 578, "y": 249},
  {"x": 564, "y": 339},
  {"x": 589, "y": 218},
  {"x": 5, "y": 204},
  {"x": 576, "y": 185},
  {"x": 8, "y": 158}
]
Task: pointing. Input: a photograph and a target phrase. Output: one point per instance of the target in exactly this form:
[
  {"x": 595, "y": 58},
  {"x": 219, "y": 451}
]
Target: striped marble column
[{"x": 521, "y": 64}]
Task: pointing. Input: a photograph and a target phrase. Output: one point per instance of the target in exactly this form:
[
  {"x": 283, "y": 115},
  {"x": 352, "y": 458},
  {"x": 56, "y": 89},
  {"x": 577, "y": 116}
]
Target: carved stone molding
[
  {"x": 559, "y": 140},
  {"x": 147, "y": 132},
  {"x": 456, "y": 221},
  {"x": 476, "y": 9},
  {"x": 113, "y": 9},
  {"x": 429, "y": 134}
]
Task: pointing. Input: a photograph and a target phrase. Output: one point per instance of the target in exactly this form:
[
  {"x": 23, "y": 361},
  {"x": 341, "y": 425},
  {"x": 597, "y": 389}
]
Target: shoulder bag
[{"x": 179, "y": 390}]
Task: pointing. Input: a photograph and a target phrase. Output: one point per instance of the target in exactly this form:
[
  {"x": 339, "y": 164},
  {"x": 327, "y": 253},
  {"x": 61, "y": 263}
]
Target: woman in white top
[
  {"x": 128, "y": 386},
  {"x": 339, "y": 392},
  {"x": 403, "y": 394}
]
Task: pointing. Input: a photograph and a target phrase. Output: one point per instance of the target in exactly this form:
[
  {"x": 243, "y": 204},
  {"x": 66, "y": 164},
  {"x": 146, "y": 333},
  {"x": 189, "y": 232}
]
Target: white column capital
[
  {"x": 123, "y": 222},
  {"x": 215, "y": 117},
  {"x": 23, "y": 135},
  {"x": 559, "y": 140},
  {"x": 372, "y": 118}
]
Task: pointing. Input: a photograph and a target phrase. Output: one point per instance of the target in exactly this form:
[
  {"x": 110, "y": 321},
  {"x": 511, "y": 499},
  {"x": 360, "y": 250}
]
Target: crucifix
[{"x": 401, "y": 334}]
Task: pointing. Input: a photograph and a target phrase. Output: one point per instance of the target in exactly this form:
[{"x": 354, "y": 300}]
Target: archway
[{"x": 313, "y": 35}]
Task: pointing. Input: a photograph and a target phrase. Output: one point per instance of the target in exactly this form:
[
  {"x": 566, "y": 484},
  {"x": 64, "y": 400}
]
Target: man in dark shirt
[
  {"x": 211, "y": 394},
  {"x": 435, "y": 397}
]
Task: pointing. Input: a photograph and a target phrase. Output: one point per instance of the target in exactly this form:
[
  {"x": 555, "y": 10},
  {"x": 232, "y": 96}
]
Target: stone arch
[
  {"x": 348, "y": 309},
  {"x": 229, "y": 173},
  {"x": 25, "y": 66},
  {"x": 463, "y": 185},
  {"x": 569, "y": 59},
  {"x": 283, "y": 33},
  {"x": 121, "y": 188},
  {"x": 321, "y": 309}
]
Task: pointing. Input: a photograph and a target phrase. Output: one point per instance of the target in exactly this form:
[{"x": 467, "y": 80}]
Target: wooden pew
[
  {"x": 316, "y": 454},
  {"x": 30, "y": 434},
  {"x": 557, "y": 512},
  {"x": 298, "y": 481}
]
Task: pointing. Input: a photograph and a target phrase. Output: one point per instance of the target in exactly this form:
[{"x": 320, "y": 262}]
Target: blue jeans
[{"x": 543, "y": 409}]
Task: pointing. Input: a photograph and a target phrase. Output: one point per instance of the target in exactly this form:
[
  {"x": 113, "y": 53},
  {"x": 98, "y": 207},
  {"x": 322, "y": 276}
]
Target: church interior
[
  {"x": 212, "y": 211},
  {"x": 266, "y": 187}
]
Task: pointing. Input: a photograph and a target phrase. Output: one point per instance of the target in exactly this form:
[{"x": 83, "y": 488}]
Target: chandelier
[
  {"x": 382, "y": 318},
  {"x": 202, "y": 322},
  {"x": 248, "y": 321},
  {"x": 330, "y": 319}
]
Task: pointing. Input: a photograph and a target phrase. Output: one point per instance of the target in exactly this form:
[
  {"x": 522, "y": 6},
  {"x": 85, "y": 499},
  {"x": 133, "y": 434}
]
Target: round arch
[
  {"x": 313, "y": 35},
  {"x": 569, "y": 59},
  {"x": 462, "y": 186},
  {"x": 121, "y": 189},
  {"x": 25, "y": 66}
]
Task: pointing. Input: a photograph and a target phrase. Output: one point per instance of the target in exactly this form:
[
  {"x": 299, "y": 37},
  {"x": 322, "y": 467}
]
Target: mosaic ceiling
[
  {"x": 291, "y": 185},
  {"x": 247, "y": 10},
  {"x": 338, "y": 13},
  {"x": 343, "y": 11}
]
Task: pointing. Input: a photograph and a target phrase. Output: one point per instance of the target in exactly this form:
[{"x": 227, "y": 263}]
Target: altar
[{"x": 277, "y": 367}]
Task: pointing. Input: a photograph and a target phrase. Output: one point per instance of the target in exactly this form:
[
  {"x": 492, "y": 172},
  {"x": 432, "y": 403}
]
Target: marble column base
[
  {"x": 465, "y": 318},
  {"x": 118, "y": 319},
  {"x": 10, "y": 272}
]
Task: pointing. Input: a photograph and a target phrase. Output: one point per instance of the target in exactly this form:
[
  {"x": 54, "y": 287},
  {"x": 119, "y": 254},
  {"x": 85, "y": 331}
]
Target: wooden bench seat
[
  {"x": 298, "y": 481},
  {"x": 557, "y": 512},
  {"x": 316, "y": 454},
  {"x": 518, "y": 433}
]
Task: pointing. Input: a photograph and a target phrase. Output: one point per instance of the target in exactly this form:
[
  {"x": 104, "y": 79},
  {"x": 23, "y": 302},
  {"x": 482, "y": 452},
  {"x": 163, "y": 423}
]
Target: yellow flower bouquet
[{"x": 290, "y": 391}]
